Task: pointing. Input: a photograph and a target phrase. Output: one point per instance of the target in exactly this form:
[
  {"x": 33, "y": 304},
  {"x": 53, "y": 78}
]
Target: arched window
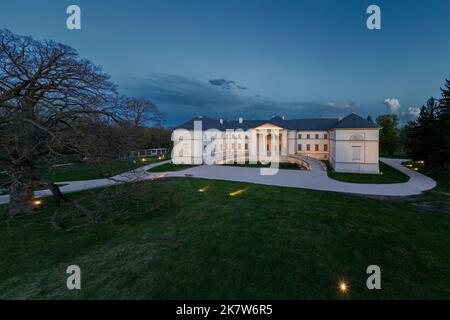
[{"x": 356, "y": 137}]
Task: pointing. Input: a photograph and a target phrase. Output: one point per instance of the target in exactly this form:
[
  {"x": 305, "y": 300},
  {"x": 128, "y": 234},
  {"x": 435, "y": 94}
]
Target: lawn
[
  {"x": 390, "y": 175},
  {"x": 82, "y": 171},
  {"x": 189, "y": 239}
]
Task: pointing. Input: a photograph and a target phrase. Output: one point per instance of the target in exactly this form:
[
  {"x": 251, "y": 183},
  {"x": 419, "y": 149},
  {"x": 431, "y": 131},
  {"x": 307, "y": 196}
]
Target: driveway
[{"x": 315, "y": 179}]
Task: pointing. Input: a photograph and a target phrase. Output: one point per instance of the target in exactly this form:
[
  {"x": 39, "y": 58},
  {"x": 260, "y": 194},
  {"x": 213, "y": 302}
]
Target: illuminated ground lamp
[
  {"x": 236, "y": 193},
  {"x": 202, "y": 190},
  {"x": 144, "y": 160},
  {"x": 37, "y": 202},
  {"x": 343, "y": 287}
]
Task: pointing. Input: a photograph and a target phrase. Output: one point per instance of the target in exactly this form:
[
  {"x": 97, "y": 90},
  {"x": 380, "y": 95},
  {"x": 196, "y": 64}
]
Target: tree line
[{"x": 425, "y": 139}]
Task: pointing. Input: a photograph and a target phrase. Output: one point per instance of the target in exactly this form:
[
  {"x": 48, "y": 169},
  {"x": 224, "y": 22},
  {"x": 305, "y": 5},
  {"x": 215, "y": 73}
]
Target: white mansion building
[{"x": 349, "y": 144}]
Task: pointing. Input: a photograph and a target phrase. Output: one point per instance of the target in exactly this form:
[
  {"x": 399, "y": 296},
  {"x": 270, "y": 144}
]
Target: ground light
[
  {"x": 37, "y": 202},
  {"x": 343, "y": 287},
  {"x": 236, "y": 193},
  {"x": 203, "y": 189}
]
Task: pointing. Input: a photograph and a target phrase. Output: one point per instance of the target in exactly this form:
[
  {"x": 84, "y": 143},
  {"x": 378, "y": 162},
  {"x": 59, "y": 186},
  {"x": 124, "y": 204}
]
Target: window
[
  {"x": 308, "y": 136},
  {"x": 317, "y": 147},
  {"x": 246, "y": 146},
  {"x": 299, "y": 135},
  {"x": 325, "y": 148},
  {"x": 299, "y": 147},
  {"x": 356, "y": 153},
  {"x": 325, "y": 136},
  {"x": 308, "y": 147},
  {"x": 317, "y": 136},
  {"x": 181, "y": 139}
]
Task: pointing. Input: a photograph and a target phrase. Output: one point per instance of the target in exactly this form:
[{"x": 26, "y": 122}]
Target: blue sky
[{"x": 256, "y": 58}]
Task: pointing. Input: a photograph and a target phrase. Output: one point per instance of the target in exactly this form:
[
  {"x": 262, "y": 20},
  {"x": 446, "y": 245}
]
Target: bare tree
[
  {"x": 142, "y": 112},
  {"x": 51, "y": 101}
]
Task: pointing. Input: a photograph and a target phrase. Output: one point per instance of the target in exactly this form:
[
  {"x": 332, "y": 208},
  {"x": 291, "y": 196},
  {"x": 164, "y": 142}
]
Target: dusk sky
[{"x": 254, "y": 58}]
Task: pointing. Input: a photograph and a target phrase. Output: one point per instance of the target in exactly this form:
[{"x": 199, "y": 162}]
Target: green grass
[
  {"x": 85, "y": 171},
  {"x": 390, "y": 175},
  {"x": 267, "y": 242},
  {"x": 170, "y": 167},
  {"x": 281, "y": 165}
]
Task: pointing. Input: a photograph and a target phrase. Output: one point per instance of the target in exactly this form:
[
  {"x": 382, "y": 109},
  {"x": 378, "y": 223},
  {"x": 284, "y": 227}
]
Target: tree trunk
[{"x": 21, "y": 195}]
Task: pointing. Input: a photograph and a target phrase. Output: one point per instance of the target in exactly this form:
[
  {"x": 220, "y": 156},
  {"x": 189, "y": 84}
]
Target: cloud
[
  {"x": 227, "y": 84},
  {"x": 405, "y": 114},
  {"x": 181, "y": 98},
  {"x": 410, "y": 113},
  {"x": 392, "y": 105}
]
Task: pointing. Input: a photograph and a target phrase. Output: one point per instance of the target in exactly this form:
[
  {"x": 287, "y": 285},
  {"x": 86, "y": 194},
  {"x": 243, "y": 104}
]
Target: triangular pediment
[{"x": 269, "y": 125}]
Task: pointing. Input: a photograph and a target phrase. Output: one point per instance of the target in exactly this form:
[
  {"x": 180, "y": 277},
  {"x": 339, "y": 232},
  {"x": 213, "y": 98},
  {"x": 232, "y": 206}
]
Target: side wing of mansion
[{"x": 350, "y": 144}]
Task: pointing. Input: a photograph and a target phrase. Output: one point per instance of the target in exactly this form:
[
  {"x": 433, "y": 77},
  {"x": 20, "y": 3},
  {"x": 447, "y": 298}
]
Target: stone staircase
[{"x": 307, "y": 162}]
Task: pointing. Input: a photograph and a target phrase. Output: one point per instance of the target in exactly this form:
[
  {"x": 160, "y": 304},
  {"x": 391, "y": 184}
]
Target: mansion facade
[{"x": 350, "y": 144}]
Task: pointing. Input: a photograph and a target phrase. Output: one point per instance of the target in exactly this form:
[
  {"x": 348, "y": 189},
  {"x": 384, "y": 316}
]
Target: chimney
[
  {"x": 283, "y": 118},
  {"x": 241, "y": 120},
  {"x": 221, "y": 121}
]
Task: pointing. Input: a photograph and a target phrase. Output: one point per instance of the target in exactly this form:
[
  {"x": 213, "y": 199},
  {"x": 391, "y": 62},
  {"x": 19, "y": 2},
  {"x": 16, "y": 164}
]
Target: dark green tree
[
  {"x": 423, "y": 136},
  {"x": 389, "y": 135},
  {"x": 444, "y": 124}
]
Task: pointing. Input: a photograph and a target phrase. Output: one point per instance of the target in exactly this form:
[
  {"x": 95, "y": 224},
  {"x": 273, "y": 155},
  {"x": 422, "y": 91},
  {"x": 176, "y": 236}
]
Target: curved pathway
[
  {"x": 315, "y": 179},
  {"x": 75, "y": 186}
]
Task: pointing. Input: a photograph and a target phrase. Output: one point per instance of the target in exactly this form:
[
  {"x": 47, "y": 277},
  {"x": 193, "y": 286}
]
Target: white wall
[
  {"x": 342, "y": 143},
  {"x": 346, "y": 144},
  {"x": 322, "y": 141}
]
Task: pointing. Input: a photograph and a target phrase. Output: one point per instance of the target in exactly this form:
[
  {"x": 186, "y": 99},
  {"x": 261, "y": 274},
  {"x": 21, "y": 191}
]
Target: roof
[
  {"x": 325, "y": 124},
  {"x": 353, "y": 121}
]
